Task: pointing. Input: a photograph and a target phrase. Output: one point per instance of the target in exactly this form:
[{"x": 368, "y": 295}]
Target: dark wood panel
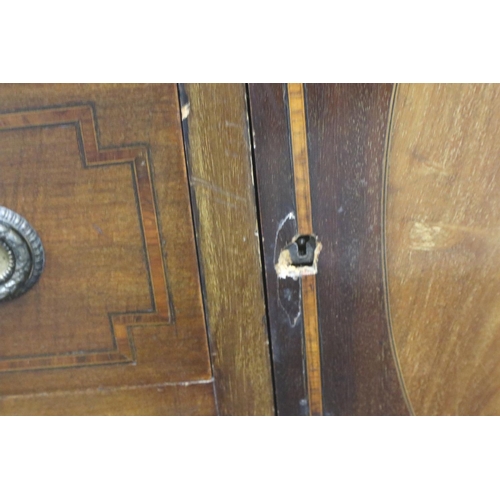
[
  {"x": 275, "y": 183},
  {"x": 347, "y": 127},
  {"x": 99, "y": 171},
  {"x": 217, "y": 141}
]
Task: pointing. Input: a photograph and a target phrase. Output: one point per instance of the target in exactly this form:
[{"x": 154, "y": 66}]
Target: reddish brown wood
[
  {"x": 82, "y": 118},
  {"x": 99, "y": 172}
]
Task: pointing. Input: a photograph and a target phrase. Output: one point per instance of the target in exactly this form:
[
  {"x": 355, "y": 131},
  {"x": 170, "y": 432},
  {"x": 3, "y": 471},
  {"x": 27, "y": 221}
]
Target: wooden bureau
[{"x": 164, "y": 210}]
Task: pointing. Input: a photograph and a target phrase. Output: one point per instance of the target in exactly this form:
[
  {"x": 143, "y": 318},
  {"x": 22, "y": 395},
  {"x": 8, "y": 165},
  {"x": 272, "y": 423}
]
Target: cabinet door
[
  {"x": 115, "y": 324},
  {"x": 442, "y": 246},
  {"x": 401, "y": 188}
]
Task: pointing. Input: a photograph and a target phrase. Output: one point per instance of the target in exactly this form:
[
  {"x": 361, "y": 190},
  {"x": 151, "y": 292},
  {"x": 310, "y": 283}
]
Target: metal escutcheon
[{"x": 22, "y": 257}]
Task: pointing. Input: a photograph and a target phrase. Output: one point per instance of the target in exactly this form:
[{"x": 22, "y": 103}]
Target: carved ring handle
[{"x": 22, "y": 257}]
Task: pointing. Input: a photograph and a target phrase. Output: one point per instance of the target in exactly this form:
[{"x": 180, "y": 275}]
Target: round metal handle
[{"x": 22, "y": 257}]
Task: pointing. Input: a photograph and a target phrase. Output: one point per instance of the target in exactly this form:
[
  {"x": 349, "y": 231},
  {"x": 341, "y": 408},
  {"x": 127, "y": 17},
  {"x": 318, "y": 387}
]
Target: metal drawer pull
[{"x": 22, "y": 257}]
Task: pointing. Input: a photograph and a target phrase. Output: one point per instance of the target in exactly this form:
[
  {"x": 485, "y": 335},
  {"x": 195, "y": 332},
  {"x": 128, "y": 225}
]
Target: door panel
[
  {"x": 99, "y": 172},
  {"x": 404, "y": 195},
  {"x": 346, "y": 128},
  {"x": 443, "y": 246}
]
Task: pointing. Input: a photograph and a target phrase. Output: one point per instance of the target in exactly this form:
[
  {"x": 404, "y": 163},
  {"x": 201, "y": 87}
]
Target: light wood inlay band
[{"x": 298, "y": 133}]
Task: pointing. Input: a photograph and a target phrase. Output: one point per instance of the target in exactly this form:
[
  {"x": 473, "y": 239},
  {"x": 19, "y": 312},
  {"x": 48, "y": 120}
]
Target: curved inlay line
[{"x": 385, "y": 182}]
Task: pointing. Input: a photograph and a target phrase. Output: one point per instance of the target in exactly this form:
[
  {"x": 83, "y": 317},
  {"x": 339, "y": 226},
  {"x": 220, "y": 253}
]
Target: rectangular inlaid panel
[{"x": 99, "y": 172}]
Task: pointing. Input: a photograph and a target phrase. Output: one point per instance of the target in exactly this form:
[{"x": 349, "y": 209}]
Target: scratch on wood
[
  {"x": 216, "y": 189},
  {"x": 185, "y": 109},
  {"x": 110, "y": 389},
  {"x": 232, "y": 124},
  {"x": 292, "y": 319}
]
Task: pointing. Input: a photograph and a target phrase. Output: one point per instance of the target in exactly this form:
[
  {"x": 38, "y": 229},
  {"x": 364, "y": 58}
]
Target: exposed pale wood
[
  {"x": 99, "y": 172},
  {"x": 443, "y": 251},
  {"x": 276, "y": 193},
  {"x": 217, "y": 138},
  {"x": 298, "y": 132}
]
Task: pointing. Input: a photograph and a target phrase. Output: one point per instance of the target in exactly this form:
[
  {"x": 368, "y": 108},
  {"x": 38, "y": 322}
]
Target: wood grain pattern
[
  {"x": 82, "y": 118},
  {"x": 99, "y": 172},
  {"x": 311, "y": 335},
  {"x": 216, "y": 135},
  {"x": 162, "y": 399},
  {"x": 347, "y": 127},
  {"x": 443, "y": 220},
  {"x": 298, "y": 133},
  {"x": 276, "y": 193}
]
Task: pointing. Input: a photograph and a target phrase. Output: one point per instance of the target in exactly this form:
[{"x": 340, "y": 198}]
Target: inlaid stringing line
[{"x": 298, "y": 133}]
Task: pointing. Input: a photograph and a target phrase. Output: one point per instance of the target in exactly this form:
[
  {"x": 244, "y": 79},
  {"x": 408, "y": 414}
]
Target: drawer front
[{"x": 115, "y": 323}]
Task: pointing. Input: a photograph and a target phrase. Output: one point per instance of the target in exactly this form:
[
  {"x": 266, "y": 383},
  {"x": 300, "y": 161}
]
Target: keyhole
[{"x": 302, "y": 245}]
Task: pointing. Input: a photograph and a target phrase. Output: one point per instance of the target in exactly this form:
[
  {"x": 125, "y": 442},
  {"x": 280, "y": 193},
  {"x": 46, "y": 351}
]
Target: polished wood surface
[
  {"x": 443, "y": 220},
  {"x": 277, "y": 209},
  {"x": 159, "y": 399},
  {"x": 400, "y": 189},
  {"x": 346, "y": 145},
  {"x": 99, "y": 171},
  {"x": 347, "y": 128},
  {"x": 216, "y": 135},
  {"x": 40, "y": 128}
]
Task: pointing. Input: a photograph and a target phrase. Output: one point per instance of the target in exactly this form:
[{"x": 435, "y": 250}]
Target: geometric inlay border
[{"x": 138, "y": 158}]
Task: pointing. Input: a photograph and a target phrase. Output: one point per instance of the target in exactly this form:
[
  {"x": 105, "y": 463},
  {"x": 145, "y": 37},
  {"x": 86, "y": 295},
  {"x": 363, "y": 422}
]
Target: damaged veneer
[{"x": 299, "y": 258}]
